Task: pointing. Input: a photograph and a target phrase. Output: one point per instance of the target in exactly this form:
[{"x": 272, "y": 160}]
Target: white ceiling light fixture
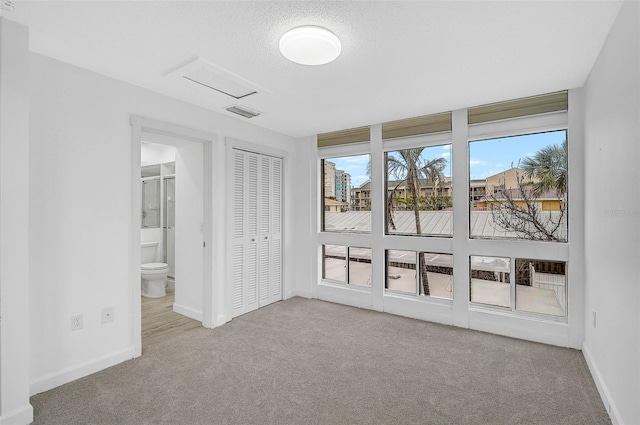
[{"x": 310, "y": 45}]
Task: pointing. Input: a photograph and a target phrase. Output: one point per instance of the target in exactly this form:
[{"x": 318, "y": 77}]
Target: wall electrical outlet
[
  {"x": 76, "y": 322},
  {"x": 107, "y": 314}
]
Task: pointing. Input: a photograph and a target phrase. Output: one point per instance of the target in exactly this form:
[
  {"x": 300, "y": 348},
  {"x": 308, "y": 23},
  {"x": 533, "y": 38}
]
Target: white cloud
[
  {"x": 356, "y": 181},
  {"x": 445, "y": 154},
  {"x": 360, "y": 159},
  {"x": 473, "y": 161}
]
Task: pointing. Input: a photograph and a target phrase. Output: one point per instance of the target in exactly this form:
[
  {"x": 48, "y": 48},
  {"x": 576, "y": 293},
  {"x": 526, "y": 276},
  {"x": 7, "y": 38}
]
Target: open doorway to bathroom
[
  {"x": 158, "y": 245},
  {"x": 171, "y": 263},
  {"x": 194, "y": 295}
]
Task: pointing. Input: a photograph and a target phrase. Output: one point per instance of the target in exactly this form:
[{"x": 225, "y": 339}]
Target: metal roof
[
  {"x": 435, "y": 223},
  {"x": 328, "y": 201}
]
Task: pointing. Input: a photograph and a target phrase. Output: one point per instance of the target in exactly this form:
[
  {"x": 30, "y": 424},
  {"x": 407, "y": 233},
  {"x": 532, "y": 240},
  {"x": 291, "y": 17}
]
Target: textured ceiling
[{"x": 399, "y": 59}]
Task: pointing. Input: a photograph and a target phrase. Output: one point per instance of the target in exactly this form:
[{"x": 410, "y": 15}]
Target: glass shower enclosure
[
  {"x": 159, "y": 207},
  {"x": 169, "y": 224}
]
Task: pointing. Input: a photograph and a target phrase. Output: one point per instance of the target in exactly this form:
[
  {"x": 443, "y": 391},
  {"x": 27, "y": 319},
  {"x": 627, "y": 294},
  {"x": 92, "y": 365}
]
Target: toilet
[{"x": 153, "y": 275}]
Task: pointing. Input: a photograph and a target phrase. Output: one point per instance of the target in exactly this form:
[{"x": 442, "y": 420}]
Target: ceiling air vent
[{"x": 241, "y": 110}]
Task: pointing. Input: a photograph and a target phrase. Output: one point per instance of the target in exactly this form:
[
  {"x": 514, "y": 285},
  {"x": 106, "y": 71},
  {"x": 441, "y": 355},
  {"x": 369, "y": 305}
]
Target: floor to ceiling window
[{"x": 392, "y": 223}]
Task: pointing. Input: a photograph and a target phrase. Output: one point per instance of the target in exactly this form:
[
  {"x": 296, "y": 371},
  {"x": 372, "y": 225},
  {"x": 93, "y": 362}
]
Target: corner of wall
[
  {"x": 14, "y": 223},
  {"x": 18, "y": 416},
  {"x": 605, "y": 395},
  {"x": 611, "y": 109}
]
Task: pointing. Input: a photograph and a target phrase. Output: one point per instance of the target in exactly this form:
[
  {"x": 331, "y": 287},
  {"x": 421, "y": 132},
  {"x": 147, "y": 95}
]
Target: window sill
[
  {"x": 523, "y": 315},
  {"x": 353, "y": 288},
  {"x": 418, "y": 298}
]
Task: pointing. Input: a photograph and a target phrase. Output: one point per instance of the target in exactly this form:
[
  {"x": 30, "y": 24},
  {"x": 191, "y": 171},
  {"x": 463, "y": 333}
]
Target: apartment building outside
[
  {"x": 343, "y": 186},
  {"x": 329, "y": 179},
  {"x": 360, "y": 197},
  {"x": 504, "y": 185}
]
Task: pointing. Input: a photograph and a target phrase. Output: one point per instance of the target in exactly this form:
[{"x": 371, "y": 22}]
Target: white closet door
[
  {"x": 275, "y": 278},
  {"x": 251, "y": 253},
  {"x": 265, "y": 228},
  {"x": 270, "y": 230},
  {"x": 239, "y": 218},
  {"x": 257, "y": 229}
]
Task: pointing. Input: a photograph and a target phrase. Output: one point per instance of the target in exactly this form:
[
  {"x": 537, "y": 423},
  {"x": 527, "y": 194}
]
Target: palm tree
[
  {"x": 544, "y": 171},
  {"x": 410, "y": 166},
  {"x": 433, "y": 171},
  {"x": 548, "y": 168}
]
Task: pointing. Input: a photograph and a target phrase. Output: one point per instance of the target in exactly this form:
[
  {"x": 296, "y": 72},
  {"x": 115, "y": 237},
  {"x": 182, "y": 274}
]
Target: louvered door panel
[
  {"x": 275, "y": 281},
  {"x": 252, "y": 275},
  {"x": 239, "y": 232},
  {"x": 238, "y": 277},
  {"x": 265, "y": 195},
  {"x": 265, "y": 259},
  {"x": 276, "y": 270},
  {"x": 265, "y": 227},
  {"x": 238, "y": 195},
  {"x": 251, "y": 190},
  {"x": 276, "y": 196},
  {"x": 252, "y": 195}
]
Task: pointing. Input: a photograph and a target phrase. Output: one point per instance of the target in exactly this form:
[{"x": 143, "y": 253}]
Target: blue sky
[
  {"x": 356, "y": 166},
  {"x": 489, "y": 157},
  {"x": 486, "y": 157}
]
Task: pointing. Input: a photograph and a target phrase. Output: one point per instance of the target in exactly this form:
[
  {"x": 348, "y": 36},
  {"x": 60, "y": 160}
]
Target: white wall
[
  {"x": 612, "y": 216},
  {"x": 189, "y": 230},
  {"x": 14, "y": 217},
  {"x": 301, "y": 215},
  {"x": 81, "y": 203}
]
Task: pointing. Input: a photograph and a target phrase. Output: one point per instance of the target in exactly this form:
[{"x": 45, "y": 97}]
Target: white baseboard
[
  {"x": 614, "y": 414},
  {"x": 81, "y": 370},
  {"x": 189, "y": 312},
  {"x": 298, "y": 293},
  {"x": 21, "y": 416},
  {"x": 222, "y": 319}
]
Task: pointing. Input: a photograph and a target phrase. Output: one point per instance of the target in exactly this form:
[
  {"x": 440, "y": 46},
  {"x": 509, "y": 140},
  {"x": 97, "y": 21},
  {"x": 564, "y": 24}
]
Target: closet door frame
[{"x": 231, "y": 146}]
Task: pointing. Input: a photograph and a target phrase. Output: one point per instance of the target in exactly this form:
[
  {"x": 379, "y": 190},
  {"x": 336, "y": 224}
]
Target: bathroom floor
[{"x": 159, "y": 321}]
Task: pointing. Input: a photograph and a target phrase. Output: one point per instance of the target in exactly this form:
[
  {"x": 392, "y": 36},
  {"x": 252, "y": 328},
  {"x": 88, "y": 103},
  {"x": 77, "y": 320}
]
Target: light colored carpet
[{"x": 311, "y": 362}]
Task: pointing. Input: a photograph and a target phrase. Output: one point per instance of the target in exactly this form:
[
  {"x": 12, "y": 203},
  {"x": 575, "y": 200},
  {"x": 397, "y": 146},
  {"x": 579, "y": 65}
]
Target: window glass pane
[
  {"x": 438, "y": 281},
  {"x": 346, "y": 200},
  {"x": 334, "y": 263},
  {"x": 401, "y": 271},
  {"x": 518, "y": 187},
  {"x": 360, "y": 266},
  {"x": 541, "y": 286},
  {"x": 419, "y": 191},
  {"x": 490, "y": 281}
]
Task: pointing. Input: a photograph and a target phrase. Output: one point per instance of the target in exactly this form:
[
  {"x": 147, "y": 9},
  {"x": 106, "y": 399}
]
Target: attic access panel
[{"x": 206, "y": 74}]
